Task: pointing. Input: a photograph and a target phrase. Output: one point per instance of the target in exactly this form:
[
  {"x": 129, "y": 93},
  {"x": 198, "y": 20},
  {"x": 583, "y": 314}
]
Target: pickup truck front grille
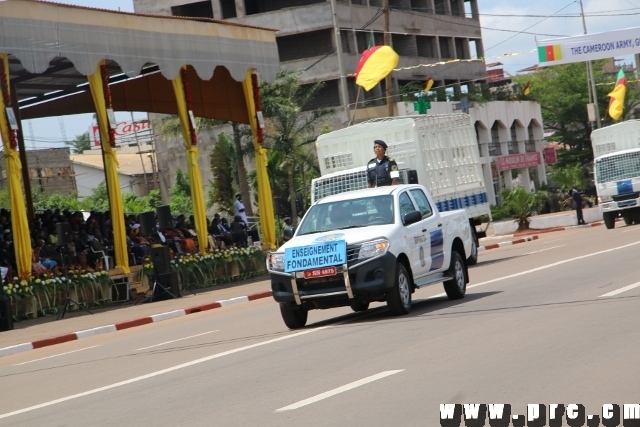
[{"x": 622, "y": 197}]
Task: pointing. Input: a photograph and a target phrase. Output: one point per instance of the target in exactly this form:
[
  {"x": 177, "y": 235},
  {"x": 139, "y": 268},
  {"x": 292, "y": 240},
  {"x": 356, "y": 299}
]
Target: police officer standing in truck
[{"x": 381, "y": 170}]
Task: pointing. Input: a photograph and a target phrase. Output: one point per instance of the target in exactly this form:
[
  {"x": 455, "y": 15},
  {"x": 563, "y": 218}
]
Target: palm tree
[
  {"x": 289, "y": 128},
  {"x": 80, "y": 143}
]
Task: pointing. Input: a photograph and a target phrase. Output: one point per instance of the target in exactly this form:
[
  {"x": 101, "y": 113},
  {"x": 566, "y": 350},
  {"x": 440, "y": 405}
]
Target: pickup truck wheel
[
  {"x": 473, "y": 258},
  {"x": 294, "y": 317},
  {"x": 457, "y": 286},
  {"x": 359, "y": 305},
  {"x": 399, "y": 298},
  {"x": 628, "y": 218},
  {"x": 609, "y": 220}
]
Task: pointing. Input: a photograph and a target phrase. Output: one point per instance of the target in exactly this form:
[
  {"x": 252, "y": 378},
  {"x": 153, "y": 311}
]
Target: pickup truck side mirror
[
  {"x": 288, "y": 233},
  {"x": 411, "y": 217}
]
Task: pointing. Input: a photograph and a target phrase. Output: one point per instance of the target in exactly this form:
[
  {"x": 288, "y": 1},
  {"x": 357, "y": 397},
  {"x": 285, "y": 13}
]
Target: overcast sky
[{"x": 509, "y": 29}]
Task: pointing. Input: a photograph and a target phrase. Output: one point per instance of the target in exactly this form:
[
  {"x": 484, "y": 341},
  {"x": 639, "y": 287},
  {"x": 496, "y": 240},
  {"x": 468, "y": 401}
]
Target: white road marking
[
  {"x": 338, "y": 390},
  {"x": 633, "y": 229},
  {"x": 621, "y": 290},
  {"x": 544, "y": 267},
  {"x": 542, "y": 250},
  {"x": 179, "y": 339},
  {"x": 56, "y": 355},
  {"x": 160, "y": 372}
]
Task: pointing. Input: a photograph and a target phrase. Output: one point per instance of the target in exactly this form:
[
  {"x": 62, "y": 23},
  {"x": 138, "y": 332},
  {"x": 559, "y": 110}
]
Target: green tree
[
  {"x": 80, "y": 143},
  {"x": 568, "y": 177},
  {"x": 44, "y": 200},
  {"x": 562, "y": 93},
  {"x": 221, "y": 190},
  {"x": 290, "y": 129},
  {"x": 98, "y": 201},
  {"x": 180, "y": 194},
  {"x": 170, "y": 126}
]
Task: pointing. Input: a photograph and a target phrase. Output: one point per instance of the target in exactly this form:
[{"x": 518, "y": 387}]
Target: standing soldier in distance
[{"x": 381, "y": 170}]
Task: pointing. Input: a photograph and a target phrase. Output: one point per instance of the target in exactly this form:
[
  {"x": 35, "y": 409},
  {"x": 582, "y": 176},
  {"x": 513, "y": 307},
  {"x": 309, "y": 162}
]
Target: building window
[
  {"x": 201, "y": 9},
  {"x": 304, "y": 45}
]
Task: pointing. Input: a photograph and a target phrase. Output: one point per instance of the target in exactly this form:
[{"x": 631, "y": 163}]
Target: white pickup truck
[{"x": 377, "y": 244}]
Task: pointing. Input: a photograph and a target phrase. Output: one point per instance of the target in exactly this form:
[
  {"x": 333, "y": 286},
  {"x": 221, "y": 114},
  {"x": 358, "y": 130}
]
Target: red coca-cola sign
[{"x": 518, "y": 161}]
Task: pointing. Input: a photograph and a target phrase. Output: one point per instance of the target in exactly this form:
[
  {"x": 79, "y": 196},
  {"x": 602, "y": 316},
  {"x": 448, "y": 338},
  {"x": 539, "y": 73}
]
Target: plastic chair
[{"x": 106, "y": 259}]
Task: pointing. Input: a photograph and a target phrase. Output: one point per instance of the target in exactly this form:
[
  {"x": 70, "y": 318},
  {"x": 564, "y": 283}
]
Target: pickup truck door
[
  {"x": 416, "y": 238},
  {"x": 431, "y": 224}
]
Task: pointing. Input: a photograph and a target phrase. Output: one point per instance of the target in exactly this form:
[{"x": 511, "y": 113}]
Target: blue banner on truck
[{"x": 316, "y": 255}]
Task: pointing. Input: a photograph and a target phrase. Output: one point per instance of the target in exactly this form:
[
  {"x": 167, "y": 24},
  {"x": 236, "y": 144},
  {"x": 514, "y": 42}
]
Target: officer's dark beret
[{"x": 381, "y": 143}]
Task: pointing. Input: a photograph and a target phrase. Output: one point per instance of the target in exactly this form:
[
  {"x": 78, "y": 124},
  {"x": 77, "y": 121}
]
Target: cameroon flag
[
  {"x": 375, "y": 64},
  {"x": 616, "y": 103}
]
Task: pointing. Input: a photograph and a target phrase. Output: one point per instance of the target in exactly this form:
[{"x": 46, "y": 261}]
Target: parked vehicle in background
[
  {"x": 378, "y": 244},
  {"x": 439, "y": 151},
  {"x": 616, "y": 171}
]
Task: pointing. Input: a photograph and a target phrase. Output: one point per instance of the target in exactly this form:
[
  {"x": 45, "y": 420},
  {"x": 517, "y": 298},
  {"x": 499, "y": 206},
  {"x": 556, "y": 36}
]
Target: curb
[
  {"x": 509, "y": 243},
  {"x": 6, "y": 351},
  {"x": 551, "y": 230}
]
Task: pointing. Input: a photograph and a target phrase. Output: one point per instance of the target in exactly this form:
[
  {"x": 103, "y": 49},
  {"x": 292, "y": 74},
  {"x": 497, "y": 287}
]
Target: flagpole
[
  {"x": 387, "y": 42},
  {"x": 591, "y": 84}
]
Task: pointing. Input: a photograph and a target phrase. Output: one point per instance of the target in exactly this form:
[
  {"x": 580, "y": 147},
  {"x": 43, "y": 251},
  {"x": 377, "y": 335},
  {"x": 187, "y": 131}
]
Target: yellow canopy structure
[{"x": 53, "y": 50}]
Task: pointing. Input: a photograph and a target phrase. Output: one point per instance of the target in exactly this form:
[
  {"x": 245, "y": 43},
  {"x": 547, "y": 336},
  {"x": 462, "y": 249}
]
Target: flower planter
[{"x": 26, "y": 308}]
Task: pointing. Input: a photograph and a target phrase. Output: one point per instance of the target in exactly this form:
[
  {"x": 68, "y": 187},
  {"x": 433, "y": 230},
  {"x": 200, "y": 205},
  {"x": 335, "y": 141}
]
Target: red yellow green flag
[
  {"x": 428, "y": 84},
  {"x": 616, "y": 103},
  {"x": 375, "y": 64}
]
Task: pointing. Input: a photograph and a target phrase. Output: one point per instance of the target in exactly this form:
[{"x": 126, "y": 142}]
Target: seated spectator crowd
[{"x": 91, "y": 239}]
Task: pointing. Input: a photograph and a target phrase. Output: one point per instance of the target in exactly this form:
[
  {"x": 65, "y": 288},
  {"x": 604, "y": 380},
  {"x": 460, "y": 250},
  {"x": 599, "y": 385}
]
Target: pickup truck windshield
[{"x": 375, "y": 210}]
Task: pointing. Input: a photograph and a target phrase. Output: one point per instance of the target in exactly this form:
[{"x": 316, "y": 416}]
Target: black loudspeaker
[
  {"x": 161, "y": 259},
  {"x": 164, "y": 216},
  {"x": 277, "y": 206},
  {"x": 147, "y": 223},
  {"x": 63, "y": 230},
  {"x": 168, "y": 281},
  {"x": 6, "y": 318},
  {"x": 413, "y": 176}
]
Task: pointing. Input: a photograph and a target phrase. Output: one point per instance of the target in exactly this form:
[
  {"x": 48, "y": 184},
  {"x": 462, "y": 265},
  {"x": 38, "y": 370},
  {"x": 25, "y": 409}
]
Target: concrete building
[
  {"x": 423, "y": 33},
  {"x": 135, "y": 173},
  {"x": 50, "y": 171},
  {"x": 510, "y": 138}
]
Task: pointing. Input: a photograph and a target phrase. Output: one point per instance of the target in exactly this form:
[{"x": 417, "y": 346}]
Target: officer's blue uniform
[{"x": 379, "y": 173}]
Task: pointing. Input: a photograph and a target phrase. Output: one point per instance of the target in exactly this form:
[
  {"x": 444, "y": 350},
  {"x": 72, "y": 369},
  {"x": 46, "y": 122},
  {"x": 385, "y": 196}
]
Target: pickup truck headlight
[
  {"x": 275, "y": 261},
  {"x": 373, "y": 248}
]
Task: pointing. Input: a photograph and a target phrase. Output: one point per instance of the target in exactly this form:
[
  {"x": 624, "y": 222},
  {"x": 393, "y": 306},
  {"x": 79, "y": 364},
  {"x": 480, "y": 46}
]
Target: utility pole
[
  {"x": 591, "y": 84},
  {"x": 387, "y": 42},
  {"x": 144, "y": 169},
  {"x": 344, "y": 91}
]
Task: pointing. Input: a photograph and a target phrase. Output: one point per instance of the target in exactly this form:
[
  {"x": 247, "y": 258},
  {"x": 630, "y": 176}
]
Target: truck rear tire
[
  {"x": 609, "y": 220},
  {"x": 473, "y": 258},
  {"x": 628, "y": 217},
  {"x": 294, "y": 317},
  {"x": 456, "y": 288},
  {"x": 399, "y": 298}
]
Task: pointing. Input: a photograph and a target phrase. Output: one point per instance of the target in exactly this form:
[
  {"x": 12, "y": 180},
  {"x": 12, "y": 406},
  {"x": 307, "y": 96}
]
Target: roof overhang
[{"x": 53, "y": 47}]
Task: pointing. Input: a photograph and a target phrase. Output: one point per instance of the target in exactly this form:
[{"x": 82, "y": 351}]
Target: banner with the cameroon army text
[{"x": 588, "y": 47}]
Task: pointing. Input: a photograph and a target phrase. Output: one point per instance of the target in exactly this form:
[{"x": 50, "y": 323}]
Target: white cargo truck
[
  {"x": 438, "y": 151},
  {"x": 616, "y": 171}
]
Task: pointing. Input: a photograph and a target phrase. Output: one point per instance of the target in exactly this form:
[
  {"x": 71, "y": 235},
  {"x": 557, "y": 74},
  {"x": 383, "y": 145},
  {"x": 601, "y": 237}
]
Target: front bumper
[
  {"x": 369, "y": 281},
  {"x": 619, "y": 205}
]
